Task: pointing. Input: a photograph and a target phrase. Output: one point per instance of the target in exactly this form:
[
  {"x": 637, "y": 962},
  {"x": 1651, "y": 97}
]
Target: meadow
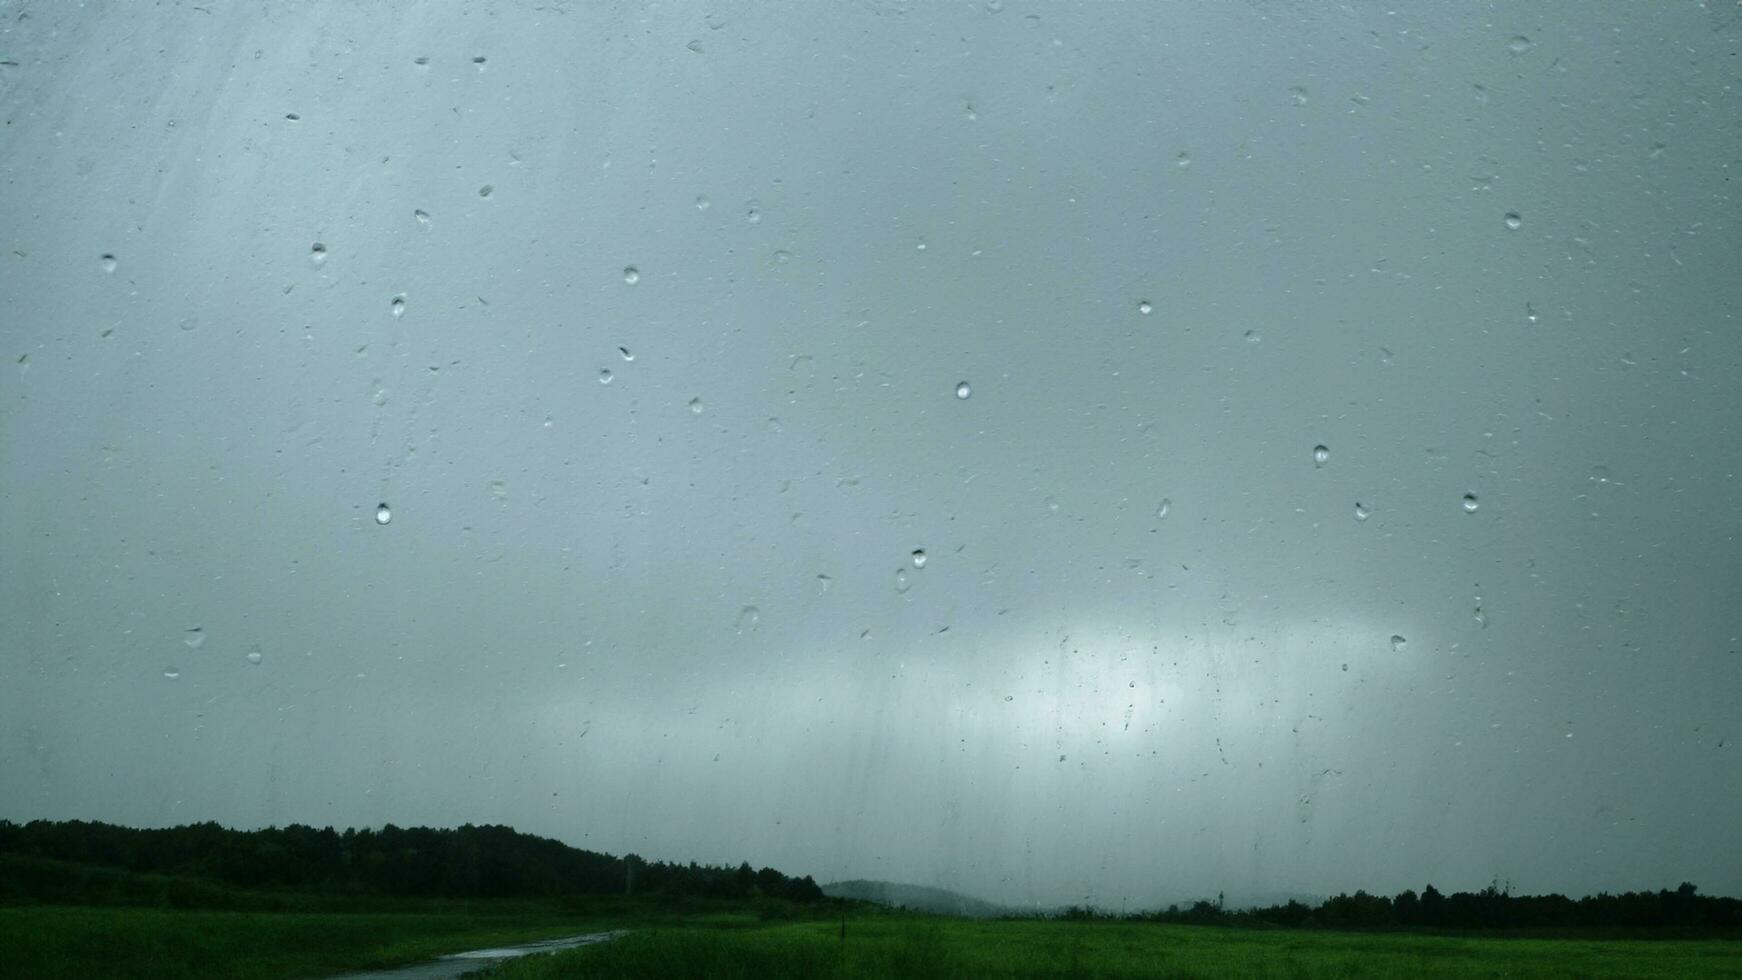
[
  {"x": 891, "y": 946},
  {"x": 58, "y": 942}
]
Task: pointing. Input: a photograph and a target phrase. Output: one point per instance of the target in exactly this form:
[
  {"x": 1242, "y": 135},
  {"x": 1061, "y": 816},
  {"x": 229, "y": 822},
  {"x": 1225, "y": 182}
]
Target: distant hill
[{"x": 918, "y": 897}]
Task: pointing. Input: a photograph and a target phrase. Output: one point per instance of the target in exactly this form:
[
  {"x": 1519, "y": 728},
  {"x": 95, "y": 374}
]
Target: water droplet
[
  {"x": 318, "y": 253},
  {"x": 1144, "y": 307},
  {"x": 1481, "y": 618},
  {"x": 1361, "y": 513},
  {"x": 171, "y": 673},
  {"x": 715, "y": 21},
  {"x": 194, "y": 638},
  {"x": 398, "y": 305},
  {"x": 1009, "y": 697},
  {"x": 1470, "y": 503},
  {"x": 695, "y": 406},
  {"x": 1514, "y": 221},
  {"x": 605, "y": 376},
  {"x": 963, "y": 390},
  {"x": 782, "y": 257},
  {"x": 631, "y": 275},
  {"x": 920, "y": 246},
  {"x": 1519, "y": 44},
  {"x": 1481, "y": 93},
  {"x": 1398, "y": 643},
  {"x": 919, "y": 558},
  {"x": 1253, "y": 337},
  {"x": 383, "y": 513},
  {"x": 1600, "y": 474},
  {"x": 626, "y": 355},
  {"x": 748, "y": 617},
  {"x": 994, "y": 6},
  {"x": 499, "y": 489},
  {"x": 422, "y": 61},
  {"x": 487, "y": 190},
  {"x": 1297, "y": 94},
  {"x": 702, "y": 202},
  {"x": 109, "y": 262},
  {"x": 753, "y": 213},
  {"x": 422, "y": 217},
  {"x": 1321, "y": 455},
  {"x": 1183, "y": 161},
  {"x": 901, "y": 583},
  {"x": 478, "y": 59},
  {"x": 254, "y": 656},
  {"x": 695, "y": 46},
  {"x": 1162, "y": 509},
  {"x": 824, "y": 582}
]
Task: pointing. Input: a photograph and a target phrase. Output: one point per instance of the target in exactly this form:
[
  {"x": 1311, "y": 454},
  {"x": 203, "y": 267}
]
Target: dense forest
[
  {"x": 1493, "y": 907},
  {"x": 468, "y": 862}
]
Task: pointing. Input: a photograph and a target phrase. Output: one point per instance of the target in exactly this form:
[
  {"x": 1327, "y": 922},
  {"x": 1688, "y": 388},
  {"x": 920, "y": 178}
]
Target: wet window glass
[{"x": 1112, "y": 454}]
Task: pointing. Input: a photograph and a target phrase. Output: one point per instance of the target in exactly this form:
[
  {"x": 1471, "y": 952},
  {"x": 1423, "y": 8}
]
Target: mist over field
[{"x": 1059, "y": 453}]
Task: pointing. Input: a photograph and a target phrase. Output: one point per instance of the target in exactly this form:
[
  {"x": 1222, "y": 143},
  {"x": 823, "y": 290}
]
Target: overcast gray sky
[{"x": 646, "y": 322}]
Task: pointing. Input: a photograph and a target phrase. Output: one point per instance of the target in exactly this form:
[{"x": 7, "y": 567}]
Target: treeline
[
  {"x": 1493, "y": 907},
  {"x": 467, "y": 862}
]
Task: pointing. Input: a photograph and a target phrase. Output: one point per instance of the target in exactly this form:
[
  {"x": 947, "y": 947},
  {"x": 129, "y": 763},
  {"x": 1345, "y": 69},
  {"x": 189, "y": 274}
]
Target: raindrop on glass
[
  {"x": 626, "y": 355},
  {"x": 499, "y": 489},
  {"x": 398, "y": 305},
  {"x": 194, "y": 638},
  {"x": 109, "y": 262},
  {"x": 605, "y": 376},
  {"x": 1470, "y": 503},
  {"x": 1361, "y": 513},
  {"x": 1144, "y": 307},
  {"x": 318, "y": 253},
  {"x": 695, "y": 406},
  {"x": 901, "y": 582},
  {"x": 1162, "y": 509},
  {"x": 1519, "y": 44},
  {"x": 1514, "y": 221},
  {"x": 631, "y": 275},
  {"x": 963, "y": 390},
  {"x": 748, "y": 617},
  {"x": 919, "y": 558},
  {"x": 1481, "y": 618},
  {"x": 383, "y": 513},
  {"x": 254, "y": 656},
  {"x": 171, "y": 673},
  {"x": 702, "y": 202},
  {"x": 422, "y": 217},
  {"x": 487, "y": 190},
  {"x": 752, "y": 214},
  {"x": 1398, "y": 643},
  {"x": 1321, "y": 455}
]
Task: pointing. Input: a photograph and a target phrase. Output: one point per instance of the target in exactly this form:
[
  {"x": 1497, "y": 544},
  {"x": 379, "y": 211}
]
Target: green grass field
[
  {"x": 903, "y": 946},
  {"x": 53, "y": 942}
]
